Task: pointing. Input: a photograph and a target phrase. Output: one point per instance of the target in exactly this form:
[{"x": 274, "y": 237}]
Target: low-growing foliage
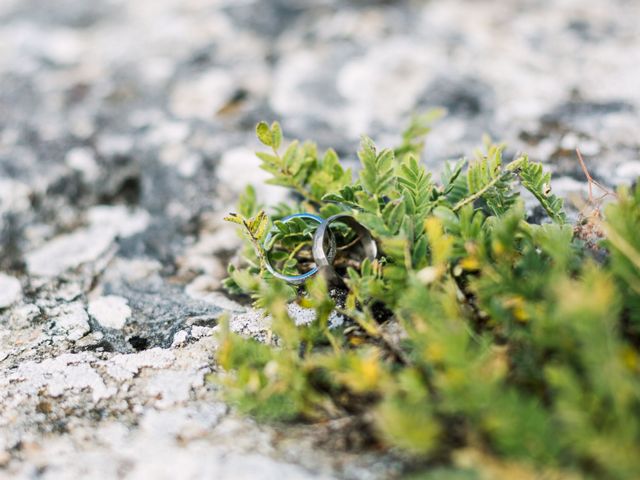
[{"x": 481, "y": 344}]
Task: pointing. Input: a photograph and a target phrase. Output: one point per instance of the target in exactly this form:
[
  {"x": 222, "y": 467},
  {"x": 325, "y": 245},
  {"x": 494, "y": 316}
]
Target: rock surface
[
  {"x": 110, "y": 311},
  {"x": 126, "y": 132}
]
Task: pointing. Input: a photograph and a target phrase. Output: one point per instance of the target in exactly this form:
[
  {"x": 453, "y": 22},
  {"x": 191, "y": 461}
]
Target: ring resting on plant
[
  {"x": 297, "y": 279},
  {"x": 324, "y": 246},
  {"x": 323, "y": 234}
]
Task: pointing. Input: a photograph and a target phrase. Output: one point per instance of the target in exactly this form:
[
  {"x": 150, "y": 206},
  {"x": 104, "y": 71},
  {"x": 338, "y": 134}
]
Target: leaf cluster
[{"x": 478, "y": 341}]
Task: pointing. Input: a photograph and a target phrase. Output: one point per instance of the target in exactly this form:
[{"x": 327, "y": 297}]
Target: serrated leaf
[
  {"x": 377, "y": 168},
  {"x": 537, "y": 181},
  {"x": 346, "y": 196},
  {"x": 258, "y": 225},
  {"x": 415, "y": 185},
  {"x": 330, "y": 162},
  {"x": 393, "y": 214},
  {"x": 451, "y": 173},
  {"x": 234, "y": 218}
]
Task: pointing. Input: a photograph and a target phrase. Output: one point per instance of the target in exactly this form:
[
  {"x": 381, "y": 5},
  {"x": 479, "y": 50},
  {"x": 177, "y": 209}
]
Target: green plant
[{"x": 480, "y": 343}]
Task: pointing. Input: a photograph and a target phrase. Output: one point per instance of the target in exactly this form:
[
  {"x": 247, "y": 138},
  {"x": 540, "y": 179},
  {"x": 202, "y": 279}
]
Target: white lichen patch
[
  {"x": 179, "y": 338},
  {"x": 254, "y": 323},
  {"x": 305, "y": 316},
  {"x": 110, "y": 311},
  {"x": 67, "y": 372},
  {"x": 125, "y": 366}
]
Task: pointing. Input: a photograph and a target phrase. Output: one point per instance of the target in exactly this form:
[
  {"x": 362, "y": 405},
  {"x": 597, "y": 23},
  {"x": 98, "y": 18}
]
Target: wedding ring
[
  {"x": 324, "y": 261},
  {"x": 298, "y": 279}
]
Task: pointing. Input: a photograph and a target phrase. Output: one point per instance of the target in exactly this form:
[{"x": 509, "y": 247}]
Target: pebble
[
  {"x": 110, "y": 311},
  {"x": 179, "y": 338}
]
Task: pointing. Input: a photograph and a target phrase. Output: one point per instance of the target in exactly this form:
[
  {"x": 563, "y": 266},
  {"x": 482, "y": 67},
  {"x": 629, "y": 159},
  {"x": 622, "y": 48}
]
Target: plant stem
[
  {"x": 479, "y": 193},
  {"x": 256, "y": 245}
]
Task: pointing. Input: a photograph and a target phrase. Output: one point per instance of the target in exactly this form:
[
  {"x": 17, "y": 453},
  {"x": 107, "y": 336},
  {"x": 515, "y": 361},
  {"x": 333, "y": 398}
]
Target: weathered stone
[{"x": 70, "y": 251}]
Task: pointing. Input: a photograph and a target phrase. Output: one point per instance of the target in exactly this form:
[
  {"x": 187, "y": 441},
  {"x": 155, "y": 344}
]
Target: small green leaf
[
  {"x": 377, "y": 169},
  {"x": 290, "y": 154},
  {"x": 259, "y": 225},
  {"x": 234, "y": 218},
  {"x": 276, "y": 135},
  {"x": 264, "y": 134}
]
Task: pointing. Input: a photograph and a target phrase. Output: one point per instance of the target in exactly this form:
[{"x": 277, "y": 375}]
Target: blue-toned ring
[{"x": 298, "y": 279}]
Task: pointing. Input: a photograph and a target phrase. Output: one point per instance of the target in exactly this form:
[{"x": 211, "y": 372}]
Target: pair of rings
[{"x": 324, "y": 247}]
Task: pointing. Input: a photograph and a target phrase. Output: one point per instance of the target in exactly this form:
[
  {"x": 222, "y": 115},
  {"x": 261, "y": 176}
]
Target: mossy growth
[{"x": 478, "y": 344}]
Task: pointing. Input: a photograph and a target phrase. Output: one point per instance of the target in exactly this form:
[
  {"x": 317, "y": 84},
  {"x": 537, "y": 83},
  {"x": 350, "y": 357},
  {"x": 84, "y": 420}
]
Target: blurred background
[
  {"x": 153, "y": 103},
  {"x": 127, "y": 132}
]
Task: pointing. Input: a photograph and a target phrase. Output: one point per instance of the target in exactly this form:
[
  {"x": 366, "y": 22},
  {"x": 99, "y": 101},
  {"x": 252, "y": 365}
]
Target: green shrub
[{"x": 477, "y": 341}]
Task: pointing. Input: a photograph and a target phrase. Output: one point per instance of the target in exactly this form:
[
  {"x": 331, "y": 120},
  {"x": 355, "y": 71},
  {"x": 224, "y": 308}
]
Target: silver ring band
[
  {"x": 323, "y": 260},
  {"x": 298, "y": 279}
]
